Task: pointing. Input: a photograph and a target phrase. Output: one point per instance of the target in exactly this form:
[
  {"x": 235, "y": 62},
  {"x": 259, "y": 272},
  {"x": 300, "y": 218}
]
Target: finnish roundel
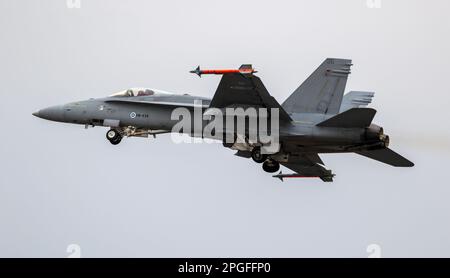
[{"x": 133, "y": 115}]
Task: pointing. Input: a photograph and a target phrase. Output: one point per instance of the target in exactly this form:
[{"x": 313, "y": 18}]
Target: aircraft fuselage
[{"x": 302, "y": 132}]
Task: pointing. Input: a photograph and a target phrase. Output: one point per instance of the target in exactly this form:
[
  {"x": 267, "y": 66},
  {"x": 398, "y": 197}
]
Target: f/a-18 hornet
[{"x": 316, "y": 118}]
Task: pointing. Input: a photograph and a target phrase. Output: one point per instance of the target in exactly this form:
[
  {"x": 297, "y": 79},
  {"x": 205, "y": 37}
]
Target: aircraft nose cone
[{"x": 53, "y": 113}]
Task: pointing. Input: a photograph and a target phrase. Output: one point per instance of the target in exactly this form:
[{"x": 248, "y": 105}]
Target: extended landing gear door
[
  {"x": 111, "y": 123},
  {"x": 271, "y": 148}
]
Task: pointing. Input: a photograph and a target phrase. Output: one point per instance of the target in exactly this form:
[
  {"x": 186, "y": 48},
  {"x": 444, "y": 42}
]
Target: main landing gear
[
  {"x": 269, "y": 165},
  {"x": 257, "y": 156},
  {"x": 114, "y": 136}
]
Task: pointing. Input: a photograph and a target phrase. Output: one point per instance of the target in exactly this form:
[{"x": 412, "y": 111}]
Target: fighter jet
[{"x": 316, "y": 118}]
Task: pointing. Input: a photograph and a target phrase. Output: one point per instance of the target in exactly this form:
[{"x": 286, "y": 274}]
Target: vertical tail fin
[
  {"x": 356, "y": 99},
  {"x": 322, "y": 91}
]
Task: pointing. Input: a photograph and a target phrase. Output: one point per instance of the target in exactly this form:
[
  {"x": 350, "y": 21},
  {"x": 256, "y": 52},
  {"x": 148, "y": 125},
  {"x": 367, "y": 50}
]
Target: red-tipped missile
[{"x": 244, "y": 69}]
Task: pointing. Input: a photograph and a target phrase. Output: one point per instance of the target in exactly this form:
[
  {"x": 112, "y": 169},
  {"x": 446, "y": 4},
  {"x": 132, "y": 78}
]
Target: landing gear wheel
[
  {"x": 257, "y": 156},
  {"x": 116, "y": 141},
  {"x": 113, "y": 136},
  {"x": 271, "y": 166}
]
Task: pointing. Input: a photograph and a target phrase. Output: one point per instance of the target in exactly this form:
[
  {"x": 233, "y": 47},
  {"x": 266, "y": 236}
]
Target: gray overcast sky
[{"x": 61, "y": 184}]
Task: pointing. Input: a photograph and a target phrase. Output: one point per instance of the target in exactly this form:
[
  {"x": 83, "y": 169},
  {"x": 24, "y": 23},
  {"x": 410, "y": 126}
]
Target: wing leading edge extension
[{"x": 162, "y": 103}]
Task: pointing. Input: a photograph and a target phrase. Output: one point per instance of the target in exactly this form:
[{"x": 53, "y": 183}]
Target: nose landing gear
[{"x": 114, "y": 136}]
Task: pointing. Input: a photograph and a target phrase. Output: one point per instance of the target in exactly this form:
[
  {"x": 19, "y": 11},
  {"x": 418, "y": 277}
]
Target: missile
[
  {"x": 244, "y": 69},
  {"x": 282, "y": 176}
]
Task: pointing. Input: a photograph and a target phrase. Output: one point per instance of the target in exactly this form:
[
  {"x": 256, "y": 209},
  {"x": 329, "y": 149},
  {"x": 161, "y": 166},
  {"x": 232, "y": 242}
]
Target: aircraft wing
[
  {"x": 245, "y": 90},
  {"x": 308, "y": 165}
]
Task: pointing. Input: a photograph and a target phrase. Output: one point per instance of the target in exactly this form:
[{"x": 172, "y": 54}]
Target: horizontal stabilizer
[
  {"x": 355, "y": 117},
  {"x": 387, "y": 156}
]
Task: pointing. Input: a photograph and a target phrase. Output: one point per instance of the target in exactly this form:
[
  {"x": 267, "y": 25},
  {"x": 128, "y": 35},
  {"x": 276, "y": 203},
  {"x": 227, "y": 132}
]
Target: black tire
[
  {"x": 271, "y": 166},
  {"x": 257, "y": 156},
  {"x": 116, "y": 141},
  {"x": 113, "y": 136}
]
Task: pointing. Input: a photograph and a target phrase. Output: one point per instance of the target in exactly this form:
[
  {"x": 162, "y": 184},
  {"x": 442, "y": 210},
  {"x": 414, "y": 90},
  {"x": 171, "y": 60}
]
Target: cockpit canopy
[{"x": 134, "y": 92}]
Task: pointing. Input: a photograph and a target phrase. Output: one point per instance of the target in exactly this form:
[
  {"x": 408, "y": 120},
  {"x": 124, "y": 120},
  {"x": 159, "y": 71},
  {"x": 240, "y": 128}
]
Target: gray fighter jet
[{"x": 316, "y": 118}]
